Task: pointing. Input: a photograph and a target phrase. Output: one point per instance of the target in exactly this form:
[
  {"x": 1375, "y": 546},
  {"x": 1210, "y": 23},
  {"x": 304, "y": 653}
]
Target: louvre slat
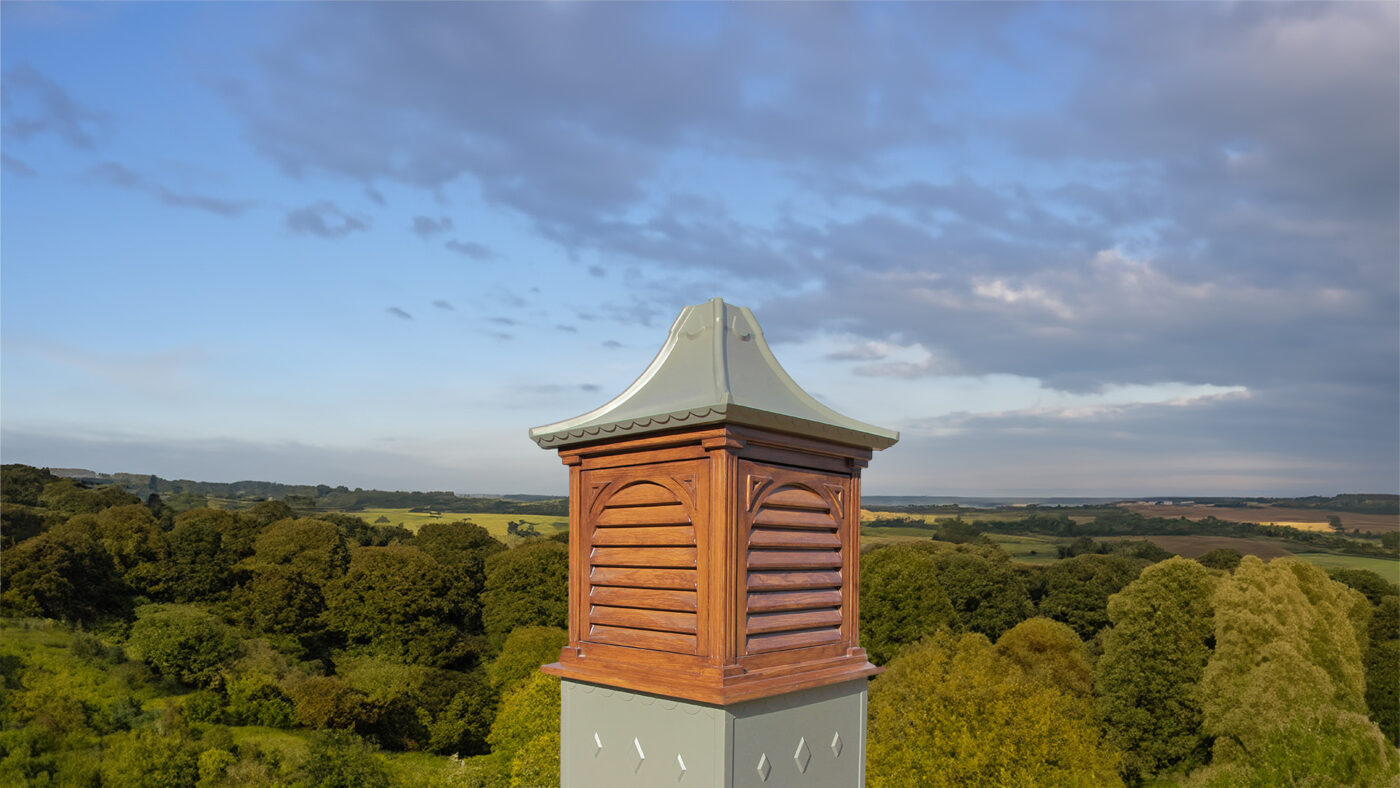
[
  {"x": 636, "y": 618},
  {"x": 798, "y": 540},
  {"x": 790, "y": 621},
  {"x": 651, "y": 598},
  {"x": 669, "y": 514},
  {"x": 768, "y": 601},
  {"x": 642, "y": 495},
  {"x": 681, "y": 579},
  {"x": 643, "y": 556},
  {"x": 792, "y": 581},
  {"x": 642, "y": 638},
  {"x": 794, "y": 519},
  {"x": 757, "y": 644},
  {"x": 796, "y": 499},
  {"x": 794, "y": 559},
  {"x": 645, "y": 535}
]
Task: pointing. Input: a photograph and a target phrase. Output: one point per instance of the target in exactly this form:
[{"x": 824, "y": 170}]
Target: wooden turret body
[{"x": 714, "y": 512}]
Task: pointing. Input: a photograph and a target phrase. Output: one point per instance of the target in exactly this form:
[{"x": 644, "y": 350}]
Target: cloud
[
  {"x": 114, "y": 174},
  {"x": 16, "y": 167},
  {"x": 427, "y": 227},
  {"x": 326, "y": 220},
  {"x": 399, "y": 313},
  {"x": 568, "y": 328},
  {"x": 612, "y": 344},
  {"x": 504, "y": 321},
  {"x": 35, "y": 105},
  {"x": 444, "y": 305},
  {"x": 470, "y": 249}
]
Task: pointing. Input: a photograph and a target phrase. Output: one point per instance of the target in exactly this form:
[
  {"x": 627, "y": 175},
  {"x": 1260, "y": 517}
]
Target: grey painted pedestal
[{"x": 612, "y": 738}]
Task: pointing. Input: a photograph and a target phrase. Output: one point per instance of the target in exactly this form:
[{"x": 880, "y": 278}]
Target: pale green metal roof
[{"x": 715, "y": 368}]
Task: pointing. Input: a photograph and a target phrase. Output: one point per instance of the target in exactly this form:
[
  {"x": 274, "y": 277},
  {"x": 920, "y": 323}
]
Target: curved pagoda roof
[{"x": 715, "y": 368}]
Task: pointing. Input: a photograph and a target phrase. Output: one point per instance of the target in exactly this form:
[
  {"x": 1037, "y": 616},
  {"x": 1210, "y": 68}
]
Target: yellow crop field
[{"x": 546, "y": 525}]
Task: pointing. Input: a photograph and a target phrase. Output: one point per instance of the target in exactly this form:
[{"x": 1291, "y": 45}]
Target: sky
[{"x": 1063, "y": 249}]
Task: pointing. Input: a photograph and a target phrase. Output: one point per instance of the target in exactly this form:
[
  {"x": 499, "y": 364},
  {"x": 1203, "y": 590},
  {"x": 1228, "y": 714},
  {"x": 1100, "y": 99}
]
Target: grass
[
  {"x": 1388, "y": 568},
  {"x": 1030, "y": 548}
]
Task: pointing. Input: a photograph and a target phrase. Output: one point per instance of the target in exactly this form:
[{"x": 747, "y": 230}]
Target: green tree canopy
[
  {"x": 1382, "y": 666},
  {"x": 1150, "y": 672},
  {"x": 1284, "y": 692},
  {"x": 1077, "y": 590},
  {"x": 23, "y": 484},
  {"x": 315, "y": 548},
  {"x": 1220, "y": 558},
  {"x": 183, "y": 642},
  {"x": 525, "y": 735},
  {"x": 1050, "y": 652},
  {"x": 901, "y": 600},
  {"x": 985, "y": 592},
  {"x": 525, "y": 586},
  {"x": 463, "y": 548},
  {"x": 525, "y": 650},
  {"x": 951, "y": 711},
  {"x": 278, "y": 600},
  {"x": 399, "y": 602},
  {"x": 65, "y": 575}
]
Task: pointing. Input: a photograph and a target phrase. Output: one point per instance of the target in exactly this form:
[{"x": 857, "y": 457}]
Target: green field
[
  {"x": 1385, "y": 567},
  {"x": 547, "y": 525}
]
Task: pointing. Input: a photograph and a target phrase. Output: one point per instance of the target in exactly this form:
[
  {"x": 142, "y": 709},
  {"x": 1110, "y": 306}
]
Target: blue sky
[{"x": 1094, "y": 249}]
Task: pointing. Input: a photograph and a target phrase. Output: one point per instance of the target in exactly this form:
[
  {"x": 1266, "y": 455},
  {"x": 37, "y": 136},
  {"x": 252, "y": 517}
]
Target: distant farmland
[{"x": 1303, "y": 519}]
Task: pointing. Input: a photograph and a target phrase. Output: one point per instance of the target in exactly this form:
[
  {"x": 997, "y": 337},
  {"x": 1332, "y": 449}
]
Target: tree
[
  {"x": 525, "y": 650},
  {"x": 315, "y": 548},
  {"x": 525, "y": 735},
  {"x": 950, "y": 711},
  {"x": 183, "y": 643},
  {"x": 328, "y": 702},
  {"x": 146, "y": 759},
  {"x": 1050, "y": 652},
  {"x": 901, "y": 600},
  {"x": 462, "y": 726},
  {"x": 1149, "y": 675},
  {"x": 1372, "y": 585},
  {"x": 196, "y": 567},
  {"x": 464, "y": 548},
  {"x": 64, "y": 575},
  {"x": 983, "y": 589},
  {"x": 1284, "y": 692},
  {"x": 340, "y": 759},
  {"x": 399, "y": 602},
  {"x": 278, "y": 600},
  {"x": 23, "y": 484},
  {"x": 1382, "y": 666},
  {"x": 1220, "y": 558},
  {"x": 525, "y": 586},
  {"x": 1077, "y": 590},
  {"x": 17, "y": 523}
]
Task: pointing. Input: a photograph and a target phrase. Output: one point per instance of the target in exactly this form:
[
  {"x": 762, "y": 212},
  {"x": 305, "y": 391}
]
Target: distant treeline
[
  {"x": 1356, "y": 503},
  {"x": 1122, "y": 522},
  {"x": 323, "y": 497}
]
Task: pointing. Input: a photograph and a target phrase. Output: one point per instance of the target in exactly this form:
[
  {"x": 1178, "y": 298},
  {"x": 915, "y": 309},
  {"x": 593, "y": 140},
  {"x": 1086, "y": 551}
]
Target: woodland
[{"x": 146, "y": 642}]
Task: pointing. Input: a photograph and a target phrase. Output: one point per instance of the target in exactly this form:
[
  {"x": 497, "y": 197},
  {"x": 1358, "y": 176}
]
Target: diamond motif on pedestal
[
  {"x": 597, "y": 744},
  {"x": 803, "y": 756},
  {"x": 681, "y": 763},
  {"x": 764, "y": 767},
  {"x": 641, "y": 756},
  {"x": 836, "y": 745}
]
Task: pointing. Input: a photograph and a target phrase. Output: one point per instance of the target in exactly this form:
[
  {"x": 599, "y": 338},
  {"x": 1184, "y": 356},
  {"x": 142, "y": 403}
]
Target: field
[
  {"x": 547, "y": 525},
  {"x": 1304, "y": 519}
]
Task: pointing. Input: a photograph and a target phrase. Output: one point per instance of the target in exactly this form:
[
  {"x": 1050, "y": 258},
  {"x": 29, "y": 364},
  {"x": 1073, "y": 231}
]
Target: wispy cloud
[
  {"x": 35, "y": 105},
  {"x": 470, "y": 249},
  {"x": 114, "y": 174},
  {"x": 427, "y": 227},
  {"x": 399, "y": 313},
  {"x": 326, "y": 220}
]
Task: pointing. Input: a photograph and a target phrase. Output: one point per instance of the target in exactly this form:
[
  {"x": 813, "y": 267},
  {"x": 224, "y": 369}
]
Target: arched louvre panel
[
  {"x": 642, "y": 571},
  {"x": 794, "y": 566}
]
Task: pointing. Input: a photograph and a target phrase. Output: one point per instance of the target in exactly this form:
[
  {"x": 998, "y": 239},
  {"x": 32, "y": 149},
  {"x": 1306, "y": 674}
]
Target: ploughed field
[{"x": 1302, "y": 519}]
